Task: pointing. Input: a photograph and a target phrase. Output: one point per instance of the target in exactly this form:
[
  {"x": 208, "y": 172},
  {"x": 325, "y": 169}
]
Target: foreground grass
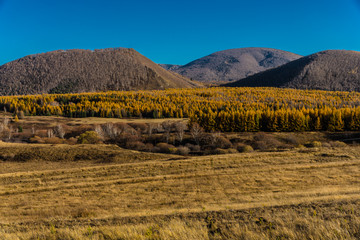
[
  {"x": 335, "y": 220},
  {"x": 297, "y": 194}
]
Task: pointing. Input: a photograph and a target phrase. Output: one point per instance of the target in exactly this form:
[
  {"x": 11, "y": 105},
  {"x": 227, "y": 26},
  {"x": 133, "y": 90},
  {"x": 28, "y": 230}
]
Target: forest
[{"x": 214, "y": 109}]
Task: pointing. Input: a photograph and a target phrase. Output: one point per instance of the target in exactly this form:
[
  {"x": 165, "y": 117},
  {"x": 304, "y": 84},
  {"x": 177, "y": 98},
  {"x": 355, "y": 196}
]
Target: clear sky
[{"x": 177, "y": 31}]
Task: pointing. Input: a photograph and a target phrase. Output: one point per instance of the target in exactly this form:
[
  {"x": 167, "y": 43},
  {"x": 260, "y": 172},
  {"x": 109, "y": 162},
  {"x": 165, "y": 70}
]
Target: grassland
[{"x": 105, "y": 192}]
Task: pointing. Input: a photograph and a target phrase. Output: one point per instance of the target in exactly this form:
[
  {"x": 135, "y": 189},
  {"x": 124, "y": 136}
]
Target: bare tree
[
  {"x": 9, "y": 133},
  {"x": 196, "y": 132},
  {"x": 110, "y": 130},
  {"x": 99, "y": 131},
  {"x": 150, "y": 128},
  {"x": 6, "y": 122},
  {"x": 214, "y": 136},
  {"x": 21, "y": 115},
  {"x": 180, "y": 128},
  {"x": 167, "y": 126},
  {"x": 59, "y": 131},
  {"x": 50, "y": 133},
  {"x": 33, "y": 130}
]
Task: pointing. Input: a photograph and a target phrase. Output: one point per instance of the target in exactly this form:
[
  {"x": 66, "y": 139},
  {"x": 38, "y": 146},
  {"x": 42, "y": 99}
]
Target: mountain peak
[
  {"x": 78, "y": 70},
  {"x": 326, "y": 70},
  {"x": 233, "y": 64}
]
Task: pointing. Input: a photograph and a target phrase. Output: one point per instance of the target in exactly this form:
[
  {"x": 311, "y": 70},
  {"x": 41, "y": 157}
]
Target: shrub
[
  {"x": 164, "y": 147},
  {"x": 263, "y": 141},
  {"x": 148, "y": 147},
  {"x": 71, "y": 141},
  {"x": 231, "y": 150},
  {"x": 260, "y": 145},
  {"x": 291, "y": 139},
  {"x": 223, "y": 142},
  {"x": 173, "y": 150},
  {"x": 326, "y": 145},
  {"x": 36, "y": 139},
  {"x": 338, "y": 144},
  {"x": 243, "y": 148},
  {"x": 141, "y": 127},
  {"x": 125, "y": 138},
  {"x": 194, "y": 148},
  {"x": 220, "y": 151},
  {"x": 89, "y": 137},
  {"x": 183, "y": 150},
  {"x": 54, "y": 140},
  {"x": 137, "y": 145},
  {"x": 313, "y": 144}
]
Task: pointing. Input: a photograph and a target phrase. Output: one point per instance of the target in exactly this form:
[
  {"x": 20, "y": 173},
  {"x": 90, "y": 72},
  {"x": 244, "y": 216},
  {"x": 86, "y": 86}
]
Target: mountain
[
  {"x": 233, "y": 64},
  {"x": 73, "y": 71},
  {"x": 171, "y": 67},
  {"x": 337, "y": 70}
]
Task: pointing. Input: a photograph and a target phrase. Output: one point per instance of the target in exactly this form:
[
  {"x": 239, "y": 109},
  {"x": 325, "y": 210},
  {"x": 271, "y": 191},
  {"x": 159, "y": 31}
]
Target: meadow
[{"x": 106, "y": 192}]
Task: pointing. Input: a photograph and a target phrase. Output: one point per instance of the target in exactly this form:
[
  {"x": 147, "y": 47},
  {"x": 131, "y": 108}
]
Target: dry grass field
[
  {"x": 105, "y": 192},
  {"x": 51, "y": 121}
]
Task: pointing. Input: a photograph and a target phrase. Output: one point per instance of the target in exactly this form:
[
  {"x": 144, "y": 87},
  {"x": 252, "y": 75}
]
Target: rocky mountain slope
[
  {"x": 327, "y": 70},
  {"x": 233, "y": 64},
  {"x": 73, "y": 71}
]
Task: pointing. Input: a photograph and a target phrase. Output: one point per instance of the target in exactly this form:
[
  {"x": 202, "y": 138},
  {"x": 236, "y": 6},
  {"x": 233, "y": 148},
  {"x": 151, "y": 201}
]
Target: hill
[
  {"x": 233, "y": 64},
  {"x": 171, "y": 67},
  {"x": 86, "y": 71},
  {"x": 336, "y": 70}
]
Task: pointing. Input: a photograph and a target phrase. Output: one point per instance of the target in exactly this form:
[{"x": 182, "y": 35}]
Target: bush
[
  {"x": 263, "y": 141},
  {"x": 36, "y": 139},
  {"x": 54, "y": 140},
  {"x": 223, "y": 142},
  {"x": 71, "y": 141},
  {"x": 140, "y": 127},
  {"x": 313, "y": 144},
  {"x": 89, "y": 137},
  {"x": 136, "y": 146},
  {"x": 231, "y": 150},
  {"x": 164, "y": 147},
  {"x": 125, "y": 138},
  {"x": 338, "y": 144},
  {"x": 194, "y": 148},
  {"x": 220, "y": 151},
  {"x": 183, "y": 150},
  {"x": 243, "y": 148},
  {"x": 148, "y": 147},
  {"x": 260, "y": 145},
  {"x": 291, "y": 139}
]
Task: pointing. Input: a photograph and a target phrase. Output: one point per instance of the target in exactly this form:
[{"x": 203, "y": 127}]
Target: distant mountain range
[
  {"x": 74, "y": 71},
  {"x": 328, "y": 70},
  {"x": 233, "y": 64}
]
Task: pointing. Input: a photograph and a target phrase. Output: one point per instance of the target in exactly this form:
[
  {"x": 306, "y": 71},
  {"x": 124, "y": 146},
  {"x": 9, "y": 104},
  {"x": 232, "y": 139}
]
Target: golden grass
[
  {"x": 304, "y": 194},
  {"x": 51, "y": 121}
]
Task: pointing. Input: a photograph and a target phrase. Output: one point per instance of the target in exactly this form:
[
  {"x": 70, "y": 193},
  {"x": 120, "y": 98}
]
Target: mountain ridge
[
  {"x": 233, "y": 64},
  {"x": 78, "y": 70},
  {"x": 335, "y": 70}
]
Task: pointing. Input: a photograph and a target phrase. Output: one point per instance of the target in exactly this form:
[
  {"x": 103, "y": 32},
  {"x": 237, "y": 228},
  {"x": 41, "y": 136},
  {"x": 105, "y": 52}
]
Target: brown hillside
[
  {"x": 233, "y": 64},
  {"x": 86, "y": 71},
  {"x": 337, "y": 70}
]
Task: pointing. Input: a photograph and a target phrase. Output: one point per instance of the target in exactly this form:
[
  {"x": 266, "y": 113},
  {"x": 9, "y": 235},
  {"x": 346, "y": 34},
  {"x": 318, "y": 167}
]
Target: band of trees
[{"x": 214, "y": 109}]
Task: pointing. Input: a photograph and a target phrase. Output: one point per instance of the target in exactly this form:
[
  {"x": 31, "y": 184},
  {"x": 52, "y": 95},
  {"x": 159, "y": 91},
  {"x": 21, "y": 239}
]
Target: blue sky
[{"x": 175, "y": 31}]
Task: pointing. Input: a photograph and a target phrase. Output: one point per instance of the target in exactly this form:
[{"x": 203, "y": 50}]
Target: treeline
[
  {"x": 215, "y": 109},
  {"x": 282, "y": 120}
]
